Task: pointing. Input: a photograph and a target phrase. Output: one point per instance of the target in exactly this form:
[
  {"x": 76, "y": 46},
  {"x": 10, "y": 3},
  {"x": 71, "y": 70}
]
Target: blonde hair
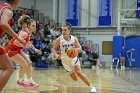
[{"x": 25, "y": 20}]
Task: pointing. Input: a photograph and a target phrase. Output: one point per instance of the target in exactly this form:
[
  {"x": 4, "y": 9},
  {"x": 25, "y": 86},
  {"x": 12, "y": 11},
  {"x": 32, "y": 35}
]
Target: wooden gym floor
[{"x": 58, "y": 81}]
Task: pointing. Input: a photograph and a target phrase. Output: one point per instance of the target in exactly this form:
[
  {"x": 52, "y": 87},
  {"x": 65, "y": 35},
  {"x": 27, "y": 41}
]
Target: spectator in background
[
  {"x": 122, "y": 57},
  {"x": 96, "y": 58},
  {"x": 88, "y": 48},
  {"x": 23, "y": 12},
  {"x": 52, "y": 32},
  {"x": 16, "y": 28},
  {"x": 58, "y": 32},
  {"x": 11, "y": 22}
]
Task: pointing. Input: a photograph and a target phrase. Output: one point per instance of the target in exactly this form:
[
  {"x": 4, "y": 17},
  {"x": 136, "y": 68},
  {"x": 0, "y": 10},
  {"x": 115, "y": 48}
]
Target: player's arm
[
  {"x": 6, "y": 15},
  {"x": 55, "y": 46},
  {"x": 78, "y": 46},
  {"x": 36, "y": 50},
  {"x": 22, "y": 35}
]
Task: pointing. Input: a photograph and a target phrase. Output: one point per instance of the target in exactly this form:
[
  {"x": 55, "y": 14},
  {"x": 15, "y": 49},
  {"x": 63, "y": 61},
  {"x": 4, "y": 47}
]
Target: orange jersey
[
  {"x": 12, "y": 49},
  {"x": 2, "y": 6}
]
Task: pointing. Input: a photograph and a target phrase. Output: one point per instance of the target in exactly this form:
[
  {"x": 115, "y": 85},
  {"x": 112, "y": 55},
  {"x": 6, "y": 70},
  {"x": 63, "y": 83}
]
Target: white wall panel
[
  {"x": 62, "y": 11},
  {"x": 45, "y": 6},
  {"x": 98, "y": 39},
  {"x": 93, "y": 13},
  {"x": 84, "y": 13},
  {"x": 26, "y": 3}
]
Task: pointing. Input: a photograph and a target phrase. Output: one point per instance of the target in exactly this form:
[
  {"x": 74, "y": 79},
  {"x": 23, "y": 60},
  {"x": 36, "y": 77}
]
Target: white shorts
[{"x": 69, "y": 63}]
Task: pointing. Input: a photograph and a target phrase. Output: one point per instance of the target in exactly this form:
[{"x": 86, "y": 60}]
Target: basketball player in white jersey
[{"x": 72, "y": 65}]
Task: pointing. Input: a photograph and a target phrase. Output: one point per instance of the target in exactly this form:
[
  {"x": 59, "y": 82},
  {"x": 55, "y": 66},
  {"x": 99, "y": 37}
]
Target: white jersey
[
  {"x": 66, "y": 61},
  {"x": 66, "y": 44}
]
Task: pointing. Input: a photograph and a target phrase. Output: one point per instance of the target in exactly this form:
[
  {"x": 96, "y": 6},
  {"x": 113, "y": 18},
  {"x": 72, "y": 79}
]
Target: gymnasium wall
[
  {"x": 98, "y": 35},
  {"x": 26, "y": 3},
  {"x": 88, "y": 9},
  {"x": 98, "y": 39},
  {"x": 62, "y": 11},
  {"x": 45, "y": 6}
]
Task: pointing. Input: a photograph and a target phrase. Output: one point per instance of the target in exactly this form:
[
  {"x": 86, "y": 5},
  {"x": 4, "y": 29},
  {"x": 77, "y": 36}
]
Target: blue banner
[
  {"x": 105, "y": 13},
  {"x": 72, "y": 12},
  {"x": 138, "y": 7}
]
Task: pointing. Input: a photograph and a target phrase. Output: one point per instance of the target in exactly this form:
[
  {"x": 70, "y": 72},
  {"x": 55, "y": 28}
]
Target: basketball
[{"x": 72, "y": 52}]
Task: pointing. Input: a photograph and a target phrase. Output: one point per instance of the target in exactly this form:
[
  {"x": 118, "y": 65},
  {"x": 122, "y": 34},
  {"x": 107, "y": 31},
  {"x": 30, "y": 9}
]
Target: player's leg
[
  {"x": 29, "y": 69},
  {"x": 24, "y": 66},
  {"x": 83, "y": 77},
  {"x": 70, "y": 70},
  {"x": 121, "y": 61},
  {"x": 123, "y": 64},
  {"x": 73, "y": 76},
  {"x": 7, "y": 70},
  {"x": 77, "y": 69}
]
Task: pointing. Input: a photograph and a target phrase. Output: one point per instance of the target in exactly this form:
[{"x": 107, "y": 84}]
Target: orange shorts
[
  {"x": 12, "y": 50},
  {"x": 2, "y": 50}
]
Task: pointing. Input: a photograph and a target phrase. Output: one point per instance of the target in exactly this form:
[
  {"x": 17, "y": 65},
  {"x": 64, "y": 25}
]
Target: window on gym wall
[{"x": 107, "y": 47}]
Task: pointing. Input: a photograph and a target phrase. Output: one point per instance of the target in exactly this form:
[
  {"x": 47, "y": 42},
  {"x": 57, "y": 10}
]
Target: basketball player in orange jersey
[
  {"x": 6, "y": 15},
  {"x": 14, "y": 50},
  {"x": 72, "y": 65}
]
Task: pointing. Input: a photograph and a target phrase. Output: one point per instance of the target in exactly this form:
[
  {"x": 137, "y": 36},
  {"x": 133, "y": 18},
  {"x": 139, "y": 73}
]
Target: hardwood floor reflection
[{"x": 58, "y": 81}]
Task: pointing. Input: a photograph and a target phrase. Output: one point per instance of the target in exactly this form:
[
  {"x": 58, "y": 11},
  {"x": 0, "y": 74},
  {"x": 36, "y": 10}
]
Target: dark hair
[
  {"x": 68, "y": 25},
  {"x": 10, "y": 1},
  {"x": 25, "y": 20}
]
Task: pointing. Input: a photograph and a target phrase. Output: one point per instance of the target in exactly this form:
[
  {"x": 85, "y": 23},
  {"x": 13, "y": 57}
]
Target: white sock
[
  {"x": 20, "y": 79},
  {"x": 30, "y": 80}
]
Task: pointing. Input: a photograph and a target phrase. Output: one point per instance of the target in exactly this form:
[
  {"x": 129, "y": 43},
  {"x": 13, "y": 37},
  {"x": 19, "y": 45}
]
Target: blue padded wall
[
  {"x": 130, "y": 42},
  {"x": 133, "y": 42},
  {"x": 117, "y": 44}
]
